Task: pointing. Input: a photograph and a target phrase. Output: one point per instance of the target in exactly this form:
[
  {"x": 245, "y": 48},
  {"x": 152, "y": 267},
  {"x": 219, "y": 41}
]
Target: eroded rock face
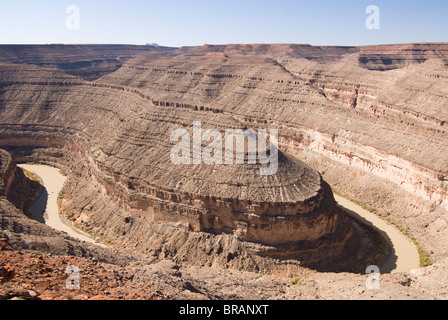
[
  {"x": 119, "y": 126},
  {"x": 128, "y": 157},
  {"x": 20, "y": 232},
  {"x": 14, "y": 185},
  {"x": 368, "y": 126},
  {"x": 7, "y": 168},
  {"x": 96, "y": 213}
]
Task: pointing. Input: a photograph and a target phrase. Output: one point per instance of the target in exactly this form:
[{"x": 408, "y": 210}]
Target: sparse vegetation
[
  {"x": 70, "y": 216},
  {"x": 34, "y": 163},
  {"x": 294, "y": 281},
  {"x": 31, "y": 175}
]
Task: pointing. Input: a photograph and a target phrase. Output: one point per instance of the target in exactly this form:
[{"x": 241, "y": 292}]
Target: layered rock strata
[
  {"x": 87, "y": 61},
  {"x": 122, "y": 138},
  {"x": 339, "y": 109},
  {"x": 372, "y": 120},
  {"x": 383, "y": 124}
]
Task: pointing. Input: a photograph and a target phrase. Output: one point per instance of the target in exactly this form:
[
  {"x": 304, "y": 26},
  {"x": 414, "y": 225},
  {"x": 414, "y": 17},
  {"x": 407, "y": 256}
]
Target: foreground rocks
[
  {"x": 44, "y": 277},
  {"x": 34, "y": 276}
]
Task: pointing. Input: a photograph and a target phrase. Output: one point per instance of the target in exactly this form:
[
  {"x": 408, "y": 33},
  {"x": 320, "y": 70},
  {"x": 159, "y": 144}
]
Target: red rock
[
  {"x": 100, "y": 297},
  {"x": 46, "y": 296},
  {"x": 3, "y": 244},
  {"x": 6, "y": 273}
]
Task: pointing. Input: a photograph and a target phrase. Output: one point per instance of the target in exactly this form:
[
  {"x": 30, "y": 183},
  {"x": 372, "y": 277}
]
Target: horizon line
[{"x": 221, "y": 44}]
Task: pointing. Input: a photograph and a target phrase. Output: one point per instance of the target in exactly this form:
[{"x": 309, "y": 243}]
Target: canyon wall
[
  {"x": 15, "y": 187},
  {"x": 7, "y": 168},
  {"x": 120, "y": 135},
  {"x": 376, "y": 130},
  {"x": 371, "y": 120}
]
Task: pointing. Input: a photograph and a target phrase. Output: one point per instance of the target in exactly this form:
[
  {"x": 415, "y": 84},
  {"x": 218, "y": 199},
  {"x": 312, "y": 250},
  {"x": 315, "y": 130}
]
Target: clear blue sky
[{"x": 198, "y": 22}]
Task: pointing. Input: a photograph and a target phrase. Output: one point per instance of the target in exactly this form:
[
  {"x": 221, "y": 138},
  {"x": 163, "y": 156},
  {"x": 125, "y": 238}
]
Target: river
[
  {"x": 405, "y": 255},
  {"x": 45, "y": 208}
]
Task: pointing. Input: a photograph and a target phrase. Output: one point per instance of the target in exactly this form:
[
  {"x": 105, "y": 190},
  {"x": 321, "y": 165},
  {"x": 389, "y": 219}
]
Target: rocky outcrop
[
  {"x": 332, "y": 110},
  {"x": 389, "y": 57},
  {"x": 371, "y": 120},
  {"x": 14, "y": 185},
  {"x": 122, "y": 140},
  {"x": 7, "y": 170},
  {"x": 402, "y": 103},
  {"x": 377, "y": 127}
]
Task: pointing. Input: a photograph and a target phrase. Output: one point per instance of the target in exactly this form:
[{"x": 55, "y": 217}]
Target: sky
[{"x": 197, "y": 22}]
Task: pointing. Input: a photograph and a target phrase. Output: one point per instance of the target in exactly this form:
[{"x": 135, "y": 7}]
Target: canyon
[{"x": 368, "y": 122}]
